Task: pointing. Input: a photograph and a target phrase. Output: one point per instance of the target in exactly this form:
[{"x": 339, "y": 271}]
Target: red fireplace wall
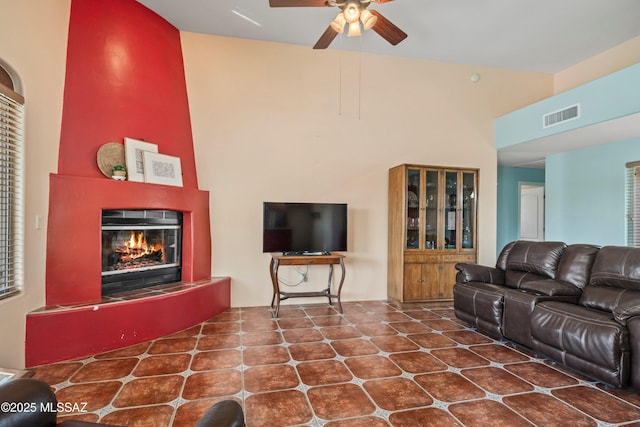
[{"x": 124, "y": 78}]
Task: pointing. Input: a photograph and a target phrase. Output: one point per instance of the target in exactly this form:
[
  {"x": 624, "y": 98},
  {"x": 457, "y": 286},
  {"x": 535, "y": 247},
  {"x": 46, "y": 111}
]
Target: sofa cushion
[
  {"x": 540, "y": 258},
  {"x": 516, "y": 279},
  {"x": 617, "y": 266},
  {"x": 606, "y": 298},
  {"x": 551, "y": 288},
  {"x": 589, "y": 334},
  {"x": 576, "y": 263},
  {"x": 501, "y": 263}
]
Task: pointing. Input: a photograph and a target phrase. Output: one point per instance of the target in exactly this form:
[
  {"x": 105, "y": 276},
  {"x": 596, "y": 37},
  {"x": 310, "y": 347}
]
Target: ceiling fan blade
[
  {"x": 387, "y": 30},
  {"x": 326, "y": 38},
  {"x": 297, "y": 3}
]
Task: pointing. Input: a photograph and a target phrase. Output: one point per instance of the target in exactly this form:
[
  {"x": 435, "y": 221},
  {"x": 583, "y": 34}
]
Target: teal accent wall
[
  {"x": 584, "y": 189},
  {"x": 613, "y": 96},
  {"x": 585, "y": 194},
  {"x": 508, "y": 199}
]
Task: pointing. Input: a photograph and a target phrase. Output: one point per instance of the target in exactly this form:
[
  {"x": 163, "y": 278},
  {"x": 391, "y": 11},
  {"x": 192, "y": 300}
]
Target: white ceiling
[
  {"x": 541, "y": 36},
  {"x": 545, "y": 36}
]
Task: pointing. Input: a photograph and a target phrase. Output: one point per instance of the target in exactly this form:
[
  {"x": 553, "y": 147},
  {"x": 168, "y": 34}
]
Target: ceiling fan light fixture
[
  {"x": 368, "y": 19},
  {"x": 354, "y": 29},
  {"x": 354, "y": 13},
  {"x": 339, "y": 23},
  {"x": 351, "y": 12}
]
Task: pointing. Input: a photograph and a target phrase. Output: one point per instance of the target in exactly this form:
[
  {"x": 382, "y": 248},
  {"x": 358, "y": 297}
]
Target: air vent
[{"x": 561, "y": 116}]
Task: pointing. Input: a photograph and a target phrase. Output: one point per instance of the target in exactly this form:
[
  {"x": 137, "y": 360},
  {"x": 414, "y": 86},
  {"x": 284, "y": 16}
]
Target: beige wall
[
  {"x": 617, "y": 58},
  {"x": 33, "y": 41},
  {"x": 274, "y": 122}
]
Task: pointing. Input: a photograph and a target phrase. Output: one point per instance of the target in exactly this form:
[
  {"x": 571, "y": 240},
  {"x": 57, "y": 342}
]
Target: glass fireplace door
[{"x": 140, "y": 248}]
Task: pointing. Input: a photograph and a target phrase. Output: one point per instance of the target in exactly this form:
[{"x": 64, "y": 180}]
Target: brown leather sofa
[
  {"x": 577, "y": 304},
  {"x": 31, "y": 402}
]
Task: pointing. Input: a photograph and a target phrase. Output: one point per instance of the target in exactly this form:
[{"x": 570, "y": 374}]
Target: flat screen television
[{"x": 304, "y": 228}]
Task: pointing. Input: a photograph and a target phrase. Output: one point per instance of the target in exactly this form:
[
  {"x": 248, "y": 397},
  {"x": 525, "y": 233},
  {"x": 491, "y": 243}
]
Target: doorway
[{"x": 531, "y": 225}]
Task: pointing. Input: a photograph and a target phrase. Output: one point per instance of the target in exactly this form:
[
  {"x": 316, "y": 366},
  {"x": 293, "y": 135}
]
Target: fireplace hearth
[{"x": 140, "y": 248}]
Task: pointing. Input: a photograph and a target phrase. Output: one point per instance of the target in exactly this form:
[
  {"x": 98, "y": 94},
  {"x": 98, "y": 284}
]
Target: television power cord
[{"x": 303, "y": 277}]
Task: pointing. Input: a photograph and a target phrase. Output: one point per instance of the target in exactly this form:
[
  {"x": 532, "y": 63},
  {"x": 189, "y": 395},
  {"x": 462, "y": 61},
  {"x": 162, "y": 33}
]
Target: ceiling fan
[{"x": 352, "y": 12}]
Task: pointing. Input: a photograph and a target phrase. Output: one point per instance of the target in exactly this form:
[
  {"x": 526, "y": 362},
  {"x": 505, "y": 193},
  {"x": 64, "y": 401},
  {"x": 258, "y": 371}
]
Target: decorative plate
[
  {"x": 109, "y": 155},
  {"x": 413, "y": 199}
]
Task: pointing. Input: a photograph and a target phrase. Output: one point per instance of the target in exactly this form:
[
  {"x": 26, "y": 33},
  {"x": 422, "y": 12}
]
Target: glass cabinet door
[
  {"x": 431, "y": 210},
  {"x": 450, "y": 210},
  {"x": 468, "y": 209},
  {"x": 413, "y": 209},
  {"x": 440, "y": 209}
]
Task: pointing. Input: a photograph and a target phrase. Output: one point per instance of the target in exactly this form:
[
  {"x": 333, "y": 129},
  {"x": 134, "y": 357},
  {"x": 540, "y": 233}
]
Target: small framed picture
[
  {"x": 162, "y": 169},
  {"x": 133, "y": 150}
]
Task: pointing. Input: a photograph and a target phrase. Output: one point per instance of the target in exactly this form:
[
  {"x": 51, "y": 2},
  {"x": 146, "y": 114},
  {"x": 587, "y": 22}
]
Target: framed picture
[
  {"x": 133, "y": 150},
  {"x": 162, "y": 169}
]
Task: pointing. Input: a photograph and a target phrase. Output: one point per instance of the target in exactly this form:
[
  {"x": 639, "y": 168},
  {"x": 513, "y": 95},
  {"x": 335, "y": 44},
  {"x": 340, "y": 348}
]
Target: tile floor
[{"x": 375, "y": 365}]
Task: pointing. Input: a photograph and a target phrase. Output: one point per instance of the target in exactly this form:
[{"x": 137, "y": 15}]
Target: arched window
[{"x": 11, "y": 186}]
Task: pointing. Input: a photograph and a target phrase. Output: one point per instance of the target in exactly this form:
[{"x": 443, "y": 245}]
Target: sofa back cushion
[
  {"x": 617, "y": 266},
  {"x": 615, "y": 278},
  {"x": 575, "y": 264},
  {"x": 606, "y": 298},
  {"x": 540, "y": 258},
  {"x": 516, "y": 278},
  {"x": 501, "y": 263}
]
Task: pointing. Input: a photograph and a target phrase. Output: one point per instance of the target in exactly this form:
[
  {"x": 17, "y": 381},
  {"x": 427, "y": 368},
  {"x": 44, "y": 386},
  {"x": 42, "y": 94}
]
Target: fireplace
[
  {"x": 80, "y": 320},
  {"x": 140, "y": 248}
]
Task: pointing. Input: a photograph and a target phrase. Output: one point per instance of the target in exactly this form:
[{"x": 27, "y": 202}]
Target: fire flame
[{"x": 137, "y": 247}]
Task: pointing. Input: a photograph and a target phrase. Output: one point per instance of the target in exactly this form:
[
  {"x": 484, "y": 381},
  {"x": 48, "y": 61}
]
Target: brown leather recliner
[
  {"x": 577, "y": 304},
  {"x": 600, "y": 335},
  {"x": 37, "y": 404},
  {"x": 28, "y": 402},
  {"x": 571, "y": 277},
  {"x": 479, "y": 292}
]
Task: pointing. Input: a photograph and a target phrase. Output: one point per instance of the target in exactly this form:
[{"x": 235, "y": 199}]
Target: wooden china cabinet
[{"x": 432, "y": 226}]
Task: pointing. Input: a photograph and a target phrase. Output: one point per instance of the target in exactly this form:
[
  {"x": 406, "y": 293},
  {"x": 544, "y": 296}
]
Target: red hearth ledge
[{"x": 69, "y": 333}]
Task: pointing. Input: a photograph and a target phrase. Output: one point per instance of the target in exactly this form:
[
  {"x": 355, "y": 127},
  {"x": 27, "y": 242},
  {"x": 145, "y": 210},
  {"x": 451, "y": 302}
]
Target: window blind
[
  {"x": 11, "y": 189},
  {"x": 633, "y": 204}
]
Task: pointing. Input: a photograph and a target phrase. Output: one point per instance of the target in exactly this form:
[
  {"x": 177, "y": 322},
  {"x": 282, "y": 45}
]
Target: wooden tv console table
[{"x": 330, "y": 260}]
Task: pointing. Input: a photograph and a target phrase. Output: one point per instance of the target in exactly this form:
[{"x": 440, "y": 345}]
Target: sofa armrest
[
  {"x": 478, "y": 273},
  {"x": 633, "y": 325},
  {"x": 626, "y": 310},
  {"x": 226, "y": 413},
  {"x": 36, "y": 395},
  {"x": 551, "y": 288}
]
